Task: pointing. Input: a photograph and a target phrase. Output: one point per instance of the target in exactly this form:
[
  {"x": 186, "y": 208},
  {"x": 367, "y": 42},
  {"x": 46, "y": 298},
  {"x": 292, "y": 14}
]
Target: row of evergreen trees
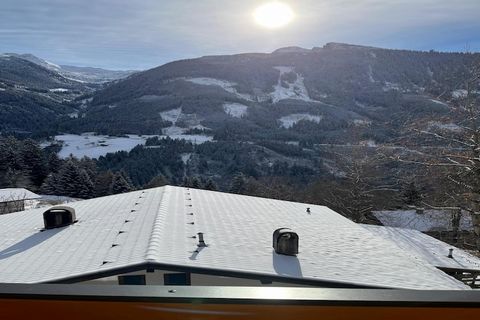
[{"x": 24, "y": 163}]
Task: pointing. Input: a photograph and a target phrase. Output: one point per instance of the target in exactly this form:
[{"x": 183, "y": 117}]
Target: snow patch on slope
[
  {"x": 177, "y": 133},
  {"x": 439, "y": 102},
  {"x": 224, "y": 84},
  {"x": 291, "y": 119},
  {"x": 361, "y": 122},
  {"x": 58, "y": 90},
  {"x": 444, "y": 126},
  {"x": 289, "y": 90},
  {"x": 171, "y": 115},
  {"x": 390, "y": 86},
  {"x": 459, "y": 94},
  {"x": 236, "y": 110}
]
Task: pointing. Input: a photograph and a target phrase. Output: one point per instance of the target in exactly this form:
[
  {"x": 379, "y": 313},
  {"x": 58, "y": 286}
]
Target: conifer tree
[{"x": 120, "y": 184}]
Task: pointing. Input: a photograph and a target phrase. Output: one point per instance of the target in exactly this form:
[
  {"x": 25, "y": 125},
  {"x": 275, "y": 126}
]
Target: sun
[{"x": 273, "y": 15}]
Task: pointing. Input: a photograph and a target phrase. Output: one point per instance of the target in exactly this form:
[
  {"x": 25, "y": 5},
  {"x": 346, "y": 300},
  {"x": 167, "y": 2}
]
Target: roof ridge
[{"x": 154, "y": 245}]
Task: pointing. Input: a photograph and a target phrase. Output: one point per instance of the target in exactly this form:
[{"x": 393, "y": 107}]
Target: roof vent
[
  {"x": 59, "y": 216},
  {"x": 201, "y": 241},
  {"x": 285, "y": 241}
]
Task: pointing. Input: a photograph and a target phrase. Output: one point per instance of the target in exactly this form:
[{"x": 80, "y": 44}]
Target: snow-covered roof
[
  {"x": 157, "y": 226},
  {"x": 430, "y": 220},
  {"x": 15, "y": 194},
  {"x": 422, "y": 246}
]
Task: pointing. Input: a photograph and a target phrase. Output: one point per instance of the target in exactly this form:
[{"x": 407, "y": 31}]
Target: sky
[{"x": 140, "y": 34}]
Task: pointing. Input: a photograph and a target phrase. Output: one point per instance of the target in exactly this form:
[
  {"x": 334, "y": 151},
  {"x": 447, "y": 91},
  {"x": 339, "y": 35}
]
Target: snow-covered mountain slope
[{"x": 81, "y": 74}]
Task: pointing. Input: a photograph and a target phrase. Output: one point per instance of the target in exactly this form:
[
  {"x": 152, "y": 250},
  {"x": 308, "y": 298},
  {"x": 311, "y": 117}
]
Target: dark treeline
[{"x": 23, "y": 163}]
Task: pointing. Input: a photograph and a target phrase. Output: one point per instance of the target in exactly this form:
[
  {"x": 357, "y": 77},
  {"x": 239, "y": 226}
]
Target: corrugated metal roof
[
  {"x": 15, "y": 194},
  {"x": 158, "y": 226}
]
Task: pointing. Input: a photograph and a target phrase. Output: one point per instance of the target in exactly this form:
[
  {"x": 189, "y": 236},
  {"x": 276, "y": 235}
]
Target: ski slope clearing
[
  {"x": 291, "y": 119},
  {"x": 224, "y": 84},
  {"x": 292, "y": 87}
]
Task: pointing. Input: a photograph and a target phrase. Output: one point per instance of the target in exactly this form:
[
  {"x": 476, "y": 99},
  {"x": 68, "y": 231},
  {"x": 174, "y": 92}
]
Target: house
[
  {"x": 13, "y": 199},
  {"x": 184, "y": 236}
]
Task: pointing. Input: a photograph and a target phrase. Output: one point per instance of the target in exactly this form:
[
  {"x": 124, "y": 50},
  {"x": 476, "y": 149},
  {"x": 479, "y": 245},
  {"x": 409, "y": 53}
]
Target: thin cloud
[{"x": 145, "y": 33}]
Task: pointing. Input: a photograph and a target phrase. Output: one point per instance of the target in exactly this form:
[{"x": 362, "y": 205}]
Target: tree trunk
[{"x": 476, "y": 227}]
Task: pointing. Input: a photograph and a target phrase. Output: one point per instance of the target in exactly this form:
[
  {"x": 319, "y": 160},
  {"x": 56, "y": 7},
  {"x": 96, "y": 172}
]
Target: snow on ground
[
  {"x": 58, "y": 90},
  {"x": 234, "y": 109},
  {"x": 458, "y": 94},
  {"x": 444, "y": 126},
  {"x": 332, "y": 169},
  {"x": 361, "y": 122},
  {"x": 291, "y": 119},
  {"x": 368, "y": 143},
  {"x": 52, "y": 65},
  {"x": 388, "y": 86},
  {"x": 47, "y": 201},
  {"x": 422, "y": 246},
  {"x": 224, "y": 84},
  {"x": 439, "y": 102},
  {"x": 94, "y": 146},
  {"x": 171, "y": 115},
  {"x": 175, "y": 132},
  {"x": 186, "y": 157},
  {"x": 430, "y": 220},
  {"x": 370, "y": 74},
  {"x": 178, "y": 133},
  {"x": 295, "y": 90}
]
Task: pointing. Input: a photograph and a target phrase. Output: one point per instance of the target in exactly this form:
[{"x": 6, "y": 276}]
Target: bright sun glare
[{"x": 273, "y": 15}]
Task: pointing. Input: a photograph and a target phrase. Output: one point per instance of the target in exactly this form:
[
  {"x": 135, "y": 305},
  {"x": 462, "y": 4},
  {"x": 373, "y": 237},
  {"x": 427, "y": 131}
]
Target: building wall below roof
[
  {"x": 11, "y": 206},
  {"x": 157, "y": 278}
]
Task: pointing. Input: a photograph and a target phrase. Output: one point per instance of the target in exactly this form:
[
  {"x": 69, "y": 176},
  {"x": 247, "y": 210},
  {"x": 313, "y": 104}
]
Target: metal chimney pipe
[
  {"x": 450, "y": 253},
  {"x": 201, "y": 242}
]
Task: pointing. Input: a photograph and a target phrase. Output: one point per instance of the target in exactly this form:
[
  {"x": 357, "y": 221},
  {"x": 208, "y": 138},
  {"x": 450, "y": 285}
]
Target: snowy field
[
  {"x": 95, "y": 146},
  {"x": 431, "y": 220},
  {"x": 291, "y": 119},
  {"x": 178, "y": 133},
  {"x": 236, "y": 110}
]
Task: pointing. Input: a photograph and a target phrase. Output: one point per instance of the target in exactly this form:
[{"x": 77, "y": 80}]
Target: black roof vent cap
[{"x": 59, "y": 216}]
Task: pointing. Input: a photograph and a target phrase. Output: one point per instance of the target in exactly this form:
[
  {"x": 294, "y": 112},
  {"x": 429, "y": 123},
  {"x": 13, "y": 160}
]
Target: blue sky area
[{"x": 140, "y": 34}]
